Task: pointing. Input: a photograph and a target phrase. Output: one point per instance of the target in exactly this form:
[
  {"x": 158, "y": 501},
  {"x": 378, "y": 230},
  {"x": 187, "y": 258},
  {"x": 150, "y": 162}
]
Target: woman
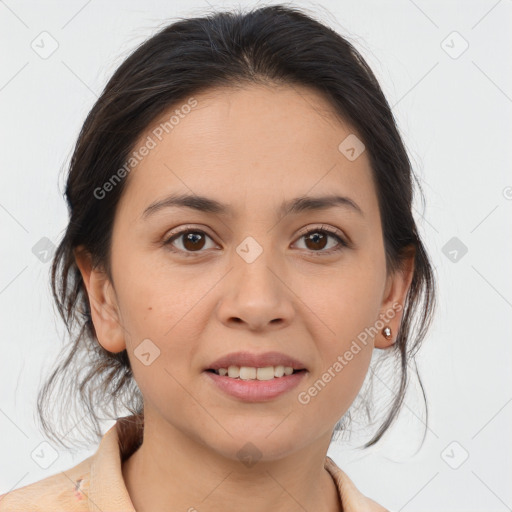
[{"x": 240, "y": 240}]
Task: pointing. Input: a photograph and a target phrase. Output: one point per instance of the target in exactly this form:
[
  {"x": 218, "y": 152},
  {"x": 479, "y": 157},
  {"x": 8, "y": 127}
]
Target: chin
[{"x": 258, "y": 442}]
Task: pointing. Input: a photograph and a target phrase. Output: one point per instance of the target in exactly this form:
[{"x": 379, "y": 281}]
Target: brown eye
[
  {"x": 190, "y": 240},
  {"x": 317, "y": 240},
  {"x": 193, "y": 241}
]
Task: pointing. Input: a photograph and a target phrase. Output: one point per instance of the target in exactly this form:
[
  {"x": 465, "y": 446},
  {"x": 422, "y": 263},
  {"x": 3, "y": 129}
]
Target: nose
[{"x": 255, "y": 295}]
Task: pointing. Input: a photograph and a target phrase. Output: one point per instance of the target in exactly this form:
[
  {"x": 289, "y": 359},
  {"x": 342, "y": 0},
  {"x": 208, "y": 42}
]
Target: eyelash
[{"x": 342, "y": 244}]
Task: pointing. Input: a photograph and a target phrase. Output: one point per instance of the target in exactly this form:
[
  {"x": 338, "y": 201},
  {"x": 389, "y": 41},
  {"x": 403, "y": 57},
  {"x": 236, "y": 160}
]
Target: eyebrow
[{"x": 292, "y": 206}]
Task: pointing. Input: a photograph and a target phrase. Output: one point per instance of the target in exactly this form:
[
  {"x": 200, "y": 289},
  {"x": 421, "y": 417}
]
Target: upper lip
[{"x": 256, "y": 360}]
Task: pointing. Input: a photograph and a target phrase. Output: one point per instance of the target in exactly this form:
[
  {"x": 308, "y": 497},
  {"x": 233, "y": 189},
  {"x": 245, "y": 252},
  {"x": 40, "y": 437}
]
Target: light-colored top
[{"x": 96, "y": 484}]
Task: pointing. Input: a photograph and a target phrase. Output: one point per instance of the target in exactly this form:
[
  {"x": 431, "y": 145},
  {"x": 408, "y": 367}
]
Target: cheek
[
  {"x": 163, "y": 316},
  {"x": 346, "y": 349},
  {"x": 330, "y": 392},
  {"x": 156, "y": 298},
  {"x": 361, "y": 287},
  {"x": 354, "y": 298}
]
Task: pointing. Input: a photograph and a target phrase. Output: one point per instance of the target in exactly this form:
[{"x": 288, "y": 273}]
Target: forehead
[{"x": 257, "y": 142}]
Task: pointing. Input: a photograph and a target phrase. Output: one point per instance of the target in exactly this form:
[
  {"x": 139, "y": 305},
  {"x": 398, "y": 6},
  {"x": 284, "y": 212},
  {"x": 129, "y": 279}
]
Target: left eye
[{"x": 315, "y": 240}]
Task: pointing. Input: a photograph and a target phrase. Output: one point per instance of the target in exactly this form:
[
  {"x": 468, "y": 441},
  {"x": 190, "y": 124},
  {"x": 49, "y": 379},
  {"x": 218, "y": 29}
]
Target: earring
[{"x": 387, "y": 333}]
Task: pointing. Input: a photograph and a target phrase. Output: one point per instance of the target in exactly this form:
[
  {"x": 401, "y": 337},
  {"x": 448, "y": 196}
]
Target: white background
[{"x": 454, "y": 114}]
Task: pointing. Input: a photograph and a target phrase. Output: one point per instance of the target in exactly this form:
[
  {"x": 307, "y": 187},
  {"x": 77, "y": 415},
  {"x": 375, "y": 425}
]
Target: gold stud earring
[{"x": 387, "y": 333}]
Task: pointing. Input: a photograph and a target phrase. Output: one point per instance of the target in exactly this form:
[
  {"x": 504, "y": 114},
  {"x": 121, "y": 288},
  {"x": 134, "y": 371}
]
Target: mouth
[
  {"x": 253, "y": 377},
  {"x": 251, "y": 384},
  {"x": 252, "y": 366},
  {"x": 254, "y": 373}
]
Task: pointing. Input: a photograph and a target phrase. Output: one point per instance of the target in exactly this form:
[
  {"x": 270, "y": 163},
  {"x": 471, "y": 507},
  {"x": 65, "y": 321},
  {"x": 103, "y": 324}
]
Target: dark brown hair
[{"x": 272, "y": 45}]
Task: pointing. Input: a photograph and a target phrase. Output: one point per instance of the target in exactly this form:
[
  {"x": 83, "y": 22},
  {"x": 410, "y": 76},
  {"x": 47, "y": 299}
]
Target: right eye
[{"x": 191, "y": 240}]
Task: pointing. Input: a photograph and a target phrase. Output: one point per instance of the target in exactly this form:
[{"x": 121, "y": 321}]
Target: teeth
[
  {"x": 279, "y": 371},
  {"x": 250, "y": 373},
  {"x": 233, "y": 372},
  {"x": 247, "y": 373}
]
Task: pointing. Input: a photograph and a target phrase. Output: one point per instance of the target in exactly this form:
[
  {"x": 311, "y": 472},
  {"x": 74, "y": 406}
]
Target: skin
[{"x": 252, "y": 148}]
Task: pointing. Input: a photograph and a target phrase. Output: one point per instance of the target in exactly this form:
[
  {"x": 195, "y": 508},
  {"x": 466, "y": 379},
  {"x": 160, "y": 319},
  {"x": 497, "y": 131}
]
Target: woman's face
[{"x": 249, "y": 278}]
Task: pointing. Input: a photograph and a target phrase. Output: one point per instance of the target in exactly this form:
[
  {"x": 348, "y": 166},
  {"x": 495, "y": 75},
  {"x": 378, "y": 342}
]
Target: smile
[{"x": 247, "y": 388}]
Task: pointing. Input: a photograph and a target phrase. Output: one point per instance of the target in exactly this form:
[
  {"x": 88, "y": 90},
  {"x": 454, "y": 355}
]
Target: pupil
[
  {"x": 193, "y": 239},
  {"x": 317, "y": 239}
]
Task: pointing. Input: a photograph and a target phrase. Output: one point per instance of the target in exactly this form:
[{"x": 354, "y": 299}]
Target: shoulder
[
  {"x": 64, "y": 491},
  {"x": 353, "y": 500}
]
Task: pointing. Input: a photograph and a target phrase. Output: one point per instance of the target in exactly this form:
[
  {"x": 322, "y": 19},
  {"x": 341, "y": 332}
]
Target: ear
[
  {"x": 102, "y": 302},
  {"x": 392, "y": 307}
]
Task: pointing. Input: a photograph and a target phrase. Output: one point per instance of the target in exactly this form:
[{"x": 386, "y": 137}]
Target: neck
[{"x": 170, "y": 468}]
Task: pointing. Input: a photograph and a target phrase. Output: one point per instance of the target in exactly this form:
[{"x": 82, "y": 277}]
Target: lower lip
[{"x": 256, "y": 390}]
